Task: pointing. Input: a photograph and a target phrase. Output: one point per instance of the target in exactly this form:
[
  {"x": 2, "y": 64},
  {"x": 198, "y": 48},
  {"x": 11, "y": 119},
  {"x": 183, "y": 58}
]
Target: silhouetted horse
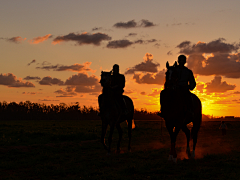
[
  {"x": 112, "y": 113},
  {"x": 176, "y": 114}
]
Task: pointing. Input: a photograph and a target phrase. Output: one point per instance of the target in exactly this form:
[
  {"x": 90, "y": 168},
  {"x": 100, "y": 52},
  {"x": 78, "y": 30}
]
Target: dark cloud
[
  {"x": 84, "y": 38},
  {"x": 147, "y": 66},
  {"x": 96, "y": 28},
  {"x": 146, "y": 23},
  {"x": 11, "y": 80},
  {"x": 131, "y": 34},
  {"x": 119, "y": 44},
  {"x": 219, "y": 64},
  {"x": 236, "y": 92},
  {"x": 134, "y": 24},
  {"x": 75, "y": 67},
  {"x": 169, "y": 53},
  {"x": 216, "y": 46},
  {"x": 143, "y": 93},
  {"x": 82, "y": 79},
  {"x": 17, "y": 39},
  {"x": 150, "y": 78},
  {"x": 47, "y": 100},
  {"x": 213, "y": 58},
  {"x": 129, "y": 24},
  {"x": 217, "y": 86},
  {"x": 48, "y": 80},
  {"x": 33, "y": 61},
  {"x": 69, "y": 92},
  {"x": 89, "y": 89},
  {"x": 32, "y": 78},
  {"x": 125, "y": 43}
]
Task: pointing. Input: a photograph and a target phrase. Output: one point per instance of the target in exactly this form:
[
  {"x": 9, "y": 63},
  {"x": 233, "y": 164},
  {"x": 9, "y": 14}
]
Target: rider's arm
[{"x": 192, "y": 82}]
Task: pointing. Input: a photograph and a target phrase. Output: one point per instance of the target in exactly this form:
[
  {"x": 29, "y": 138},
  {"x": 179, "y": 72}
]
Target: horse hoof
[
  {"x": 193, "y": 155},
  {"x": 170, "y": 158},
  {"x": 188, "y": 152}
]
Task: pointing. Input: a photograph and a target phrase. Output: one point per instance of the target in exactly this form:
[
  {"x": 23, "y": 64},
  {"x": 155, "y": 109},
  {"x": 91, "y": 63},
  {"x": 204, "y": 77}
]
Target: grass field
[{"x": 71, "y": 150}]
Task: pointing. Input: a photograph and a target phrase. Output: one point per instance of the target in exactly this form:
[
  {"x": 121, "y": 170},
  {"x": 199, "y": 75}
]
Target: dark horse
[
  {"x": 112, "y": 113},
  {"x": 177, "y": 115}
]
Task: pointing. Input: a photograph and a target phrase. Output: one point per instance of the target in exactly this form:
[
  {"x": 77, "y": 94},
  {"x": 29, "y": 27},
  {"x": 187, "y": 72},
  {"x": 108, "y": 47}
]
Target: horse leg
[
  {"x": 110, "y": 137},
  {"x": 187, "y": 133},
  {"x": 120, "y": 132},
  {"x": 173, "y": 135},
  {"x": 194, "y": 135},
  {"x": 104, "y": 130},
  {"x": 129, "y": 134}
]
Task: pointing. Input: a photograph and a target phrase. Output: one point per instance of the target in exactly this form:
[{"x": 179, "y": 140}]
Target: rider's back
[{"x": 185, "y": 78}]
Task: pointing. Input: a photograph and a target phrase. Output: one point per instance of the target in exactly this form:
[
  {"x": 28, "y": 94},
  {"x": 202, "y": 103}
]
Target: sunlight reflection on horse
[
  {"x": 112, "y": 114},
  {"x": 176, "y": 113}
]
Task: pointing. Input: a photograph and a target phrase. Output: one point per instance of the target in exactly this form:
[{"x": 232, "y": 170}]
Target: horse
[
  {"x": 176, "y": 114},
  {"x": 112, "y": 113}
]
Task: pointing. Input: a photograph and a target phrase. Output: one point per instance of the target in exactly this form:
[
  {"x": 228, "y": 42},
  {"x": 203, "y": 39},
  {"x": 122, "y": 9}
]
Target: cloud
[
  {"x": 75, "y": 67},
  {"x": 128, "y": 91},
  {"x": 134, "y": 24},
  {"x": 82, "y": 79},
  {"x": 216, "y": 46},
  {"x": 155, "y": 92},
  {"x": 84, "y": 38},
  {"x": 146, "y": 23},
  {"x": 96, "y": 28},
  {"x": 11, "y": 80},
  {"x": 125, "y": 43},
  {"x": 236, "y": 92},
  {"x": 169, "y": 53},
  {"x": 48, "y": 80},
  {"x": 129, "y": 24},
  {"x": 47, "y": 100},
  {"x": 17, "y": 39},
  {"x": 147, "y": 66},
  {"x": 150, "y": 78},
  {"x": 213, "y": 58},
  {"x": 131, "y": 34},
  {"x": 119, "y": 44},
  {"x": 217, "y": 86},
  {"x": 39, "y": 39},
  {"x": 31, "y": 93},
  {"x": 32, "y": 78},
  {"x": 33, "y": 61},
  {"x": 69, "y": 92},
  {"x": 143, "y": 93}
]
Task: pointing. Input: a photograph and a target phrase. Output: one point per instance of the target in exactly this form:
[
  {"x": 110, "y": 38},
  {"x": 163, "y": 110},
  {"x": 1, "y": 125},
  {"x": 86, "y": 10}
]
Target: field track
[{"x": 71, "y": 150}]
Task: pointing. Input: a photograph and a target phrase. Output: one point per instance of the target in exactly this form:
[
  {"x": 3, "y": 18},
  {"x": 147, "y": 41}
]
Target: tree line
[{"x": 35, "y": 111}]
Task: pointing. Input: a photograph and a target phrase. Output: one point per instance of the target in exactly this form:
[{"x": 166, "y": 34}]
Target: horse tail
[
  {"x": 197, "y": 115},
  {"x": 130, "y": 107}
]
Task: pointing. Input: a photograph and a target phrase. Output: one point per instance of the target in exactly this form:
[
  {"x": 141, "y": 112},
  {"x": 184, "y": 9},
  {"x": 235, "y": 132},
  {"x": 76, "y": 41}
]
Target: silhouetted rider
[
  {"x": 186, "y": 81},
  {"x": 117, "y": 85}
]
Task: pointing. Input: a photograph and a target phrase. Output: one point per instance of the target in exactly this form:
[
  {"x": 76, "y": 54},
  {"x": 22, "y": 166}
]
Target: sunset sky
[{"x": 53, "y": 51}]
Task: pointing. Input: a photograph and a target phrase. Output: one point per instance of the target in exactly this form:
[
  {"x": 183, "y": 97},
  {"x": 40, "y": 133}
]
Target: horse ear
[
  {"x": 167, "y": 65},
  {"x": 175, "y": 64}
]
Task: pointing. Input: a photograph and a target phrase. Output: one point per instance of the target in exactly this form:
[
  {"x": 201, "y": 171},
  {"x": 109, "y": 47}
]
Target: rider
[
  {"x": 117, "y": 84},
  {"x": 186, "y": 82}
]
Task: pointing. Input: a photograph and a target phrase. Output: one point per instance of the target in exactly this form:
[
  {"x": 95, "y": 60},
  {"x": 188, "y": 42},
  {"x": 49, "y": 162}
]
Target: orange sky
[{"x": 54, "y": 52}]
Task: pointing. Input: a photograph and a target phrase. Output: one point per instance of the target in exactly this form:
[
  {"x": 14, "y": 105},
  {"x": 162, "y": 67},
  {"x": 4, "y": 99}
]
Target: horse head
[
  {"x": 171, "y": 76},
  {"x": 105, "y": 79}
]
